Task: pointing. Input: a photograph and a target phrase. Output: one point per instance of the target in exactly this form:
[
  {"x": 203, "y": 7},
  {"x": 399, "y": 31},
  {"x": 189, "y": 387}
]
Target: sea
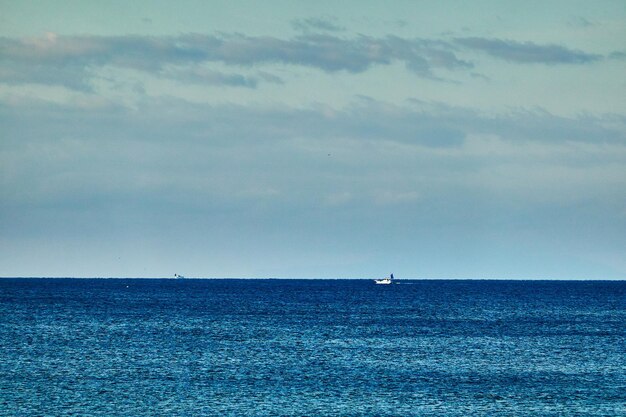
[{"x": 289, "y": 347}]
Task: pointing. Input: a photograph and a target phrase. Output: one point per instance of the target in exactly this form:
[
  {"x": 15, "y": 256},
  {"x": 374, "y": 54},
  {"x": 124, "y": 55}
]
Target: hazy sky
[{"x": 336, "y": 139}]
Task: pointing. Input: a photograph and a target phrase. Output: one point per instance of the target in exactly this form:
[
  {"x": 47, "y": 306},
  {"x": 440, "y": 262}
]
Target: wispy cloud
[
  {"x": 579, "y": 22},
  {"x": 317, "y": 24},
  {"x": 71, "y": 60},
  {"x": 419, "y": 124},
  {"x": 224, "y": 172},
  {"x": 200, "y": 75},
  {"x": 528, "y": 52},
  {"x": 618, "y": 55},
  {"x": 416, "y": 163}
]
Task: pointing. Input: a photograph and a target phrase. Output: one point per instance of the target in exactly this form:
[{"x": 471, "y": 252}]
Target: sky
[{"x": 352, "y": 139}]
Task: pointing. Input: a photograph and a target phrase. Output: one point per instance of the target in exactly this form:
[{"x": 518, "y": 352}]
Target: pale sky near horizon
[{"x": 431, "y": 139}]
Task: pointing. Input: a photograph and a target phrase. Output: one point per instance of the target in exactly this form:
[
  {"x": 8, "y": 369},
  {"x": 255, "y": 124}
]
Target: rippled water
[{"x": 311, "y": 347}]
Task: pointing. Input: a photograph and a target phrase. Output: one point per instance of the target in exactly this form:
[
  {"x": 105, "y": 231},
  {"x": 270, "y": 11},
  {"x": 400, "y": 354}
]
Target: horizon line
[{"x": 321, "y": 278}]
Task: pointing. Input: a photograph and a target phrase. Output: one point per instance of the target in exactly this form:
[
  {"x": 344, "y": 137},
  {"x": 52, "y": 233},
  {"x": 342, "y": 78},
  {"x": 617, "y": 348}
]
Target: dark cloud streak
[
  {"x": 199, "y": 75},
  {"x": 528, "y": 52},
  {"x": 316, "y": 24},
  {"x": 71, "y": 60}
]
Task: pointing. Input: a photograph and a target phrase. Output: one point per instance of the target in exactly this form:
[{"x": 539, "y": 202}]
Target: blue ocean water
[{"x": 123, "y": 347}]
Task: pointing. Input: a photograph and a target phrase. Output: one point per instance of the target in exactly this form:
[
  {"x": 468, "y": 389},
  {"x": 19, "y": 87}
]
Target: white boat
[
  {"x": 385, "y": 281},
  {"x": 178, "y": 276}
]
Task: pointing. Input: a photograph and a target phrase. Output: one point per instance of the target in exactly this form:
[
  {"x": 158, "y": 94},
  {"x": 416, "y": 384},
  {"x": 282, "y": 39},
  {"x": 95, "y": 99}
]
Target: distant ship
[
  {"x": 385, "y": 281},
  {"x": 178, "y": 276}
]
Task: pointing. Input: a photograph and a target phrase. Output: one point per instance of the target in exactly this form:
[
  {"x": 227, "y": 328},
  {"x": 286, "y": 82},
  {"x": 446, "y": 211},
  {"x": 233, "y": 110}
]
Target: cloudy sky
[{"x": 350, "y": 139}]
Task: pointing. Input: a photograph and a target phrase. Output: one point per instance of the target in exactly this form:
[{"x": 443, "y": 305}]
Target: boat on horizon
[
  {"x": 385, "y": 281},
  {"x": 178, "y": 276}
]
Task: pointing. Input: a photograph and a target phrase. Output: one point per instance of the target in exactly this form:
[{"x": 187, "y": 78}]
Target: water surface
[{"x": 123, "y": 347}]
